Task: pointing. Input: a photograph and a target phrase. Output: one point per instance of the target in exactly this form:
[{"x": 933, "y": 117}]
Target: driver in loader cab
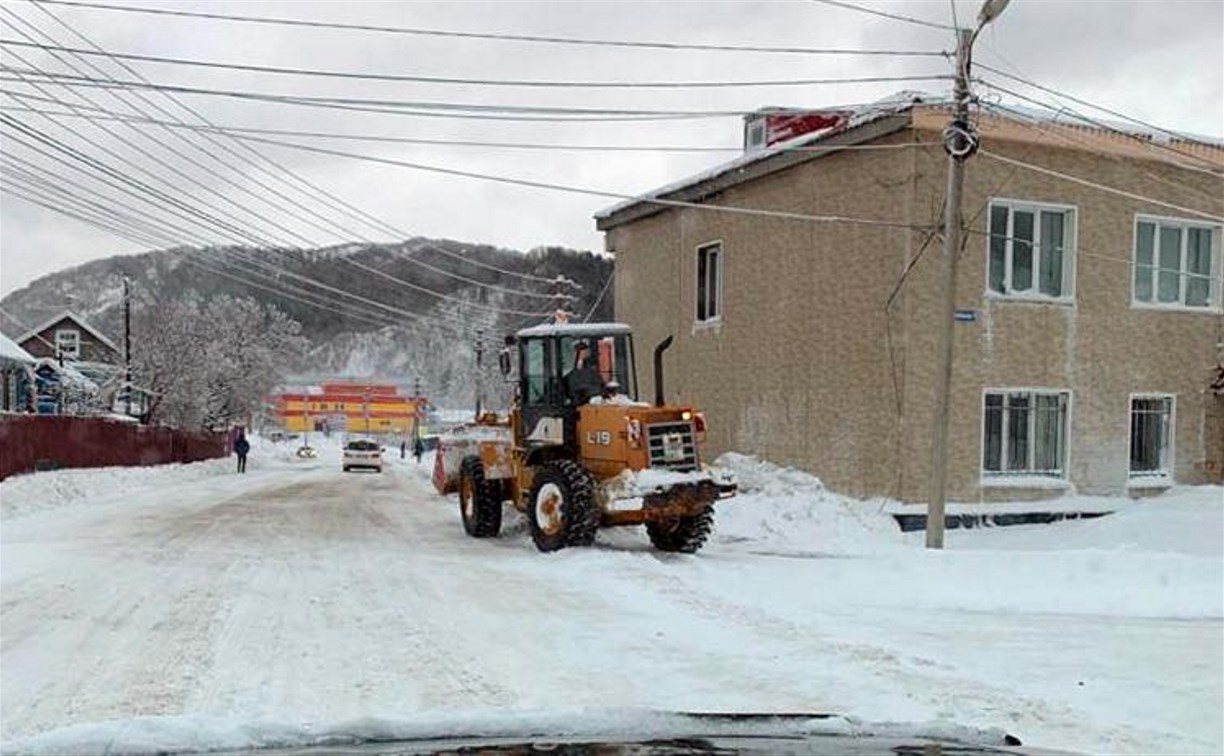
[{"x": 582, "y": 382}]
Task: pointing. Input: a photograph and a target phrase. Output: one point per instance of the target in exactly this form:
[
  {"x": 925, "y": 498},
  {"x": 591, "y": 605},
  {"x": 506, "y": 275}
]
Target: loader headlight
[{"x": 686, "y": 416}]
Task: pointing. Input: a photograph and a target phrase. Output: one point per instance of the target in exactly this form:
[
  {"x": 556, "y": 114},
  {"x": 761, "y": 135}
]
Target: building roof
[
  {"x": 782, "y": 155},
  {"x": 80, "y": 321},
  {"x": 12, "y": 353},
  {"x": 68, "y": 373},
  {"x": 875, "y": 120}
]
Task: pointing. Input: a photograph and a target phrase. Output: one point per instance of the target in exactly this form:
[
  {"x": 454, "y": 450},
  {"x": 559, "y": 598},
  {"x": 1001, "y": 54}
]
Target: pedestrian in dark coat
[{"x": 242, "y": 447}]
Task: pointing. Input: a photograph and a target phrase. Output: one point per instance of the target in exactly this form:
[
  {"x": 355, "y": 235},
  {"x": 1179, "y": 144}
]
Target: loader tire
[
  {"x": 480, "y": 503},
  {"x": 685, "y": 535},
  {"x": 562, "y": 509}
]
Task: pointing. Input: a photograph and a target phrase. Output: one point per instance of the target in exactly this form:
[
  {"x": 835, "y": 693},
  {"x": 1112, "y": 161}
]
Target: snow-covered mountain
[{"x": 407, "y": 311}]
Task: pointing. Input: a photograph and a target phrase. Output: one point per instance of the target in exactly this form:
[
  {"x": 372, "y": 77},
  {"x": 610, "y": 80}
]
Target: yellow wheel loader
[{"x": 578, "y": 451}]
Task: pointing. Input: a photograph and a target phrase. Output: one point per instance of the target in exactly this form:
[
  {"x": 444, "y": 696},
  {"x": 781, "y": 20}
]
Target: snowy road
[{"x": 301, "y": 594}]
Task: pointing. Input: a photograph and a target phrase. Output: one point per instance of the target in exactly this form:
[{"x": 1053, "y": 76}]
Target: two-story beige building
[{"x": 1088, "y": 332}]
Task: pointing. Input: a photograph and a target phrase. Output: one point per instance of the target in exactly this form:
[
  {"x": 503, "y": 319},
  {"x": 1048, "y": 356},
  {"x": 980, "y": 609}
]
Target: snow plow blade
[{"x": 688, "y": 500}]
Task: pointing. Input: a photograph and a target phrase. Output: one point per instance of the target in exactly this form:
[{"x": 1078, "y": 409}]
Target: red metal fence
[{"x": 32, "y": 442}]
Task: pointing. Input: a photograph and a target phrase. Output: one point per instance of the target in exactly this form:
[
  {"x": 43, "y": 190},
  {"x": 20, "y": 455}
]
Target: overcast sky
[{"x": 1161, "y": 62}]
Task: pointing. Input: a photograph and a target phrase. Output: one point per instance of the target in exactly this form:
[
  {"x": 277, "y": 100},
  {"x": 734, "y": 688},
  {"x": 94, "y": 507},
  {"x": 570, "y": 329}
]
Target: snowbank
[
  {"x": 24, "y": 495},
  {"x": 780, "y": 509}
]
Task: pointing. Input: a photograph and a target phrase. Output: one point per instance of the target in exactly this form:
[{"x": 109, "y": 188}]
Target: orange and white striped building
[{"x": 347, "y": 407}]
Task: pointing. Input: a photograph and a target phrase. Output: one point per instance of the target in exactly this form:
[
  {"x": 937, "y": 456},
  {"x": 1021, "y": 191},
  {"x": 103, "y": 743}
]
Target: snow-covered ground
[{"x": 187, "y": 606}]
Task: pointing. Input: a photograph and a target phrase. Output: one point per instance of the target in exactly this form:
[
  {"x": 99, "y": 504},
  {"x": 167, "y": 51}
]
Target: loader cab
[{"x": 562, "y": 367}]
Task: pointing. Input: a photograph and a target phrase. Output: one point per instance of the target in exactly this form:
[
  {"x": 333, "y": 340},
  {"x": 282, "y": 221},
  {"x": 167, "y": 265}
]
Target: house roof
[
  {"x": 872, "y": 121},
  {"x": 80, "y": 321},
  {"x": 68, "y": 373},
  {"x": 11, "y": 353}
]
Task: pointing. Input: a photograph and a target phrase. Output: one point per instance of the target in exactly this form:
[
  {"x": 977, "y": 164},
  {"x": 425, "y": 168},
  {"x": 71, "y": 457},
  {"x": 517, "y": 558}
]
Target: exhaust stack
[{"x": 658, "y": 368}]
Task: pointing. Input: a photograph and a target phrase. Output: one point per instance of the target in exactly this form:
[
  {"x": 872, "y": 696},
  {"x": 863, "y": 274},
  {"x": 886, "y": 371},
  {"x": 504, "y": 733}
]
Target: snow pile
[
  {"x": 23, "y": 495},
  {"x": 783, "y": 510}
]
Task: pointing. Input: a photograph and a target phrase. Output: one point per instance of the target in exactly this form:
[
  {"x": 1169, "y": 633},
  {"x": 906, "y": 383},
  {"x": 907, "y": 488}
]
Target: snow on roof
[
  {"x": 68, "y": 373},
  {"x": 80, "y": 321},
  {"x": 10, "y": 352},
  {"x": 861, "y": 115},
  {"x": 575, "y": 329}
]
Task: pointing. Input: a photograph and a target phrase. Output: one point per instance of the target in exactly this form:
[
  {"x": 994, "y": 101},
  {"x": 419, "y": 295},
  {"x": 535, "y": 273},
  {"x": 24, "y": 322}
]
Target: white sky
[{"x": 1162, "y": 62}]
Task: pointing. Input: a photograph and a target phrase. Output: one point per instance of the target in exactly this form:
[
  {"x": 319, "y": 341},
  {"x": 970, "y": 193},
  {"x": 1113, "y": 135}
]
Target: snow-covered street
[{"x": 298, "y": 594}]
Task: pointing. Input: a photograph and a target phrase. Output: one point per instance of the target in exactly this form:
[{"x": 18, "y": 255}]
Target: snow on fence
[{"x": 34, "y": 442}]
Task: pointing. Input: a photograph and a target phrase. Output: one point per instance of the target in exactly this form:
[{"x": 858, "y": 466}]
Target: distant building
[
  {"x": 346, "y": 407},
  {"x": 78, "y": 367},
  {"x": 16, "y": 377},
  {"x": 1088, "y": 330},
  {"x": 70, "y": 337}
]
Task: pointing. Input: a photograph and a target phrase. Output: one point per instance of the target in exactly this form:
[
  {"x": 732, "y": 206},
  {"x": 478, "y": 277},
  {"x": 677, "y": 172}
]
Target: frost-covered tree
[{"x": 209, "y": 366}]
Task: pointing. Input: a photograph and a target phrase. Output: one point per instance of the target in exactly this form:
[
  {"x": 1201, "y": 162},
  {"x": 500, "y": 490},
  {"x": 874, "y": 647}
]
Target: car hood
[{"x": 574, "y": 731}]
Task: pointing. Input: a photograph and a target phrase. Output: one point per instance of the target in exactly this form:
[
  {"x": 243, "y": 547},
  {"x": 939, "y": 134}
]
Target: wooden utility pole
[
  {"x": 479, "y": 372},
  {"x": 960, "y": 142},
  {"x": 127, "y": 346}
]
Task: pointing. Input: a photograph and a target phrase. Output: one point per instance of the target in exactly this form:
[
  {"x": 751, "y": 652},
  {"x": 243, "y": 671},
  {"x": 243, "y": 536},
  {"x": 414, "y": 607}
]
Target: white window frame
[
  {"x": 1213, "y": 293},
  {"x": 62, "y": 349},
  {"x": 1070, "y": 249},
  {"x": 1024, "y": 479},
  {"x": 716, "y": 318},
  {"x": 1163, "y": 477}
]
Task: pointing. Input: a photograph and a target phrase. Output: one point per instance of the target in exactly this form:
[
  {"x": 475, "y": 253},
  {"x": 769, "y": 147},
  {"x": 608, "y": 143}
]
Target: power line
[
  {"x": 885, "y": 14},
  {"x": 1213, "y": 168},
  {"x": 387, "y": 276},
  {"x": 434, "y": 108},
  {"x": 132, "y": 221},
  {"x": 502, "y": 37},
  {"x": 1077, "y": 140},
  {"x": 584, "y": 190},
  {"x": 413, "y": 260},
  {"x": 388, "y": 139},
  {"x": 245, "y": 280},
  {"x": 1099, "y": 187},
  {"x": 261, "y": 217},
  {"x": 1085, "y": 103},
  {"x": 416, "y": 78},
  {"x": 191, "y": 179},
  {"x": 314, "y": 191},
  {"x": 60, "y": 209},
  {"x": 113, "y": 176}
]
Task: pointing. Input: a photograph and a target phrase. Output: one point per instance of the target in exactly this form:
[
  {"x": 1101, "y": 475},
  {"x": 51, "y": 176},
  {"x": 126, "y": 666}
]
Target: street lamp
[{"x": 960, "y": 142}]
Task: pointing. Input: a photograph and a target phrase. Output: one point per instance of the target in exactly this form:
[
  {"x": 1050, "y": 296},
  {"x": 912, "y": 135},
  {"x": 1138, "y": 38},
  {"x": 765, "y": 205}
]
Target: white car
[{"x": 362, "y": 453}]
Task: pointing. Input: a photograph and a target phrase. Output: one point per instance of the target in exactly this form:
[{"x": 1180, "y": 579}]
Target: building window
[
  {"x": 709, "y": 282},
  {"x": 68, "y": 342},
  {"x": 1031, "y": 250},
  {"x": 1176, "y": 263},
  {"x": 1025, "y": 433},
  {"x": 1151, "y": 436}
]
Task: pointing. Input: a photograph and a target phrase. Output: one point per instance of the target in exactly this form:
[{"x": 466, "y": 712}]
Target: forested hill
[{"x": 403, "y": 311}]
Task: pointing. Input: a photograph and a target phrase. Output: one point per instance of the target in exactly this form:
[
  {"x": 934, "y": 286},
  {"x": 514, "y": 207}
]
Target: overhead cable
[
  {"x": 441, "y": 108},
  {"x": 494, "y": 36}
]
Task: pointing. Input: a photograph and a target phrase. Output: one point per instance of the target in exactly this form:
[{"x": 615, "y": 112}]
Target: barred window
[
  {"x": 1025, "y": 433},
  {"x": 1151, "y": 434}
]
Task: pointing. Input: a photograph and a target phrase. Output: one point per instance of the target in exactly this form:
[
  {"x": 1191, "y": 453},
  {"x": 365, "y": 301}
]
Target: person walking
[{"x": 242, "y": 447}]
